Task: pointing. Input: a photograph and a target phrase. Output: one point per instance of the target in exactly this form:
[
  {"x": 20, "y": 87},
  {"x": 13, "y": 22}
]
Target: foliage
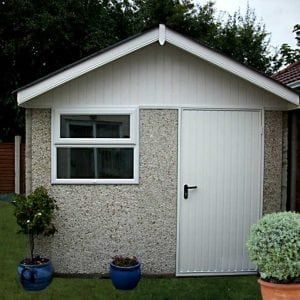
[
  {"x": 122, "y": 261},
  {"x": 34, "y": 215},
  {"x": 274, "y": 246},
  {"x": 246, "y": 40},
  {"x": 38, "y": 37},
  {"x": 285, "y": 56}
]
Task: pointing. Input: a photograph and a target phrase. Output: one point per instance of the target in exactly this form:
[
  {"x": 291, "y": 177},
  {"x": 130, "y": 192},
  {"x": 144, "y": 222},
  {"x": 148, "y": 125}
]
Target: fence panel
[{"x": 7, "y": 168}]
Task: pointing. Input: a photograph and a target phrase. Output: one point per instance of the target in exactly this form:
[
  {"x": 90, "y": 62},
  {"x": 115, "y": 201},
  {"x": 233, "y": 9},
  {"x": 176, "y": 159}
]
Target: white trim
[
  {"x": 116, "y": 108},
  {"x": 262, "y": 163},
  {"x": 95, "y": 181},
  {"x": 132, "y": 142},
  {"x": 162, "y": 34},
  {"x": 87, "y": 66},
  {"x": 178, "y": 106},
  {"x": 156, "y": 106},
  {"x": 294, "y": 84},
  {"x": 178, "y": 187},
  {"x": 231, "y": 66},
  {"x": 132, "y": 112},
  {"x": 191, "y": 274}
]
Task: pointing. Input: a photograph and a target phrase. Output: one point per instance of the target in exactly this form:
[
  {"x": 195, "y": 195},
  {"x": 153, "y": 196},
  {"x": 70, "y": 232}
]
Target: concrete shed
[{"x": 157, "y": 147}]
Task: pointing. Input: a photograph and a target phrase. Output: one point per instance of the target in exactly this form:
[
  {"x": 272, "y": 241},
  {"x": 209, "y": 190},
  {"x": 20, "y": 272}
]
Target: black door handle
[{"x": 186, "y": 189}]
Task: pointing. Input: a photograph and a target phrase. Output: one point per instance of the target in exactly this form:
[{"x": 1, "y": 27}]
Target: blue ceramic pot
[
  {"x": 35, "y": 277},
  {"x": 125, "y": 278}
]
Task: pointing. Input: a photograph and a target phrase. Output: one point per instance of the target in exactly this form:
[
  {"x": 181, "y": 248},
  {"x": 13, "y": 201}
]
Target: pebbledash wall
[{"x": 95, "y": 222}]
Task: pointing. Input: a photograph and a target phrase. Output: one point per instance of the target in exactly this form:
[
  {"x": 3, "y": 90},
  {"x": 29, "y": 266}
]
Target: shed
[{"x": 157, "y": 147}]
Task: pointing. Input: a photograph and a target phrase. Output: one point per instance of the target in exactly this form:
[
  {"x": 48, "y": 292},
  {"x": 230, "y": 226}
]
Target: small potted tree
[
  {"x": 125, "y": 272},
  {"x": 274, "y": 246},
  {"x": 34, "y": 215}
]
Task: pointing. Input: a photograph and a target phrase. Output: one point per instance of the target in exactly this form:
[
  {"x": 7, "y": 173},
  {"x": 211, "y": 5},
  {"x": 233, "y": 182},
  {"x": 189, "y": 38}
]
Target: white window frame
[{"x": 132, "y": 142}]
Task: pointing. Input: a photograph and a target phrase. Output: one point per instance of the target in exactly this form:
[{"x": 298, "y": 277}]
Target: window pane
[
  {"x": 115, "y": 163},
  {"x": 95, "y": 163},
  {"x": 75, "y": 163},
  {"x": 95, "y": 126}
]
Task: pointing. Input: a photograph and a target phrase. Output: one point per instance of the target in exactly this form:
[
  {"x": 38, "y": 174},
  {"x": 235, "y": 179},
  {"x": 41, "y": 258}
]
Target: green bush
[
  {"x": 34, "y": 215},
  {"x": 274, "y": 246}
]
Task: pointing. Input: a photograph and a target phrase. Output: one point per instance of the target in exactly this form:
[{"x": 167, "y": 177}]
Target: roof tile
[{"x": 288, "y": 75}]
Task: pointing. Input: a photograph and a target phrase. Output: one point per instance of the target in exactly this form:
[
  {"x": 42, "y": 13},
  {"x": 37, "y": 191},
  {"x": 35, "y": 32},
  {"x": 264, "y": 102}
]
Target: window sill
[{"x": 95, "y": 181}]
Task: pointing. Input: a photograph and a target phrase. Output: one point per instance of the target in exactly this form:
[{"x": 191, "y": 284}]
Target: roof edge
[
  {"x": 85, "y": 65},
  {"x": 159, "y": 34},
  {"x": 228, "y": 64}
]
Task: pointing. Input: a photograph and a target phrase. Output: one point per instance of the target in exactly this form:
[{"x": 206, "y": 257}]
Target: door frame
[{"x": 179, "y": 181}]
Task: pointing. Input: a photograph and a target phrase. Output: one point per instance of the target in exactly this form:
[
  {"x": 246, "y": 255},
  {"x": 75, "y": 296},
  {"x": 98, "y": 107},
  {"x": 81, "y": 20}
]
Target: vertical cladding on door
[{"x": 221, "y": 155}]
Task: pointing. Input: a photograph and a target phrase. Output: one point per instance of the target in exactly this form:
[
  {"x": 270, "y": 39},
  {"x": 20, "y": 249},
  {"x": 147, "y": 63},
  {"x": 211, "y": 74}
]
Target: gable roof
[
  {"x": 289, "y": 75},
  {"x": 161, "y": 35}
]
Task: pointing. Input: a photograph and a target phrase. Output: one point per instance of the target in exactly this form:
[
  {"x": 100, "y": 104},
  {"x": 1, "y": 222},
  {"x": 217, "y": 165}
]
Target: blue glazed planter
[
  {"x": 125, "y": 278},
  {"x": 35, "y": 277}
]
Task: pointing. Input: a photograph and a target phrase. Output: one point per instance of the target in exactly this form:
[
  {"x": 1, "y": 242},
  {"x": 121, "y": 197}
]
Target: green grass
[{"x": 12, "y": 250}]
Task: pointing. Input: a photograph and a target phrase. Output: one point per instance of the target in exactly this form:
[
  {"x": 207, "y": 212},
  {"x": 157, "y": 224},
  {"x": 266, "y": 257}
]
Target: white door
[{"x": 220, "y": 154}]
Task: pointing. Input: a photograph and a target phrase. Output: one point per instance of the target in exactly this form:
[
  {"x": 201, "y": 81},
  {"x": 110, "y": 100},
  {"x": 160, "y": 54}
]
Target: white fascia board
[
  {"x": 161, "y": 34},
  {"x": 230, "y": 65},
  {"x": 294, "y": 84},
  {"x": 87, "y": 66}
]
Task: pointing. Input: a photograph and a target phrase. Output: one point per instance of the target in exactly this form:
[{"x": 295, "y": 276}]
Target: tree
[
  {"x": 286, "y": 55},
  {"x": 185, "y": 17},
  {"x": 38, "y": 37},
  {"x": 246, "y": 40},
  {"x": 34, "y": 215}
]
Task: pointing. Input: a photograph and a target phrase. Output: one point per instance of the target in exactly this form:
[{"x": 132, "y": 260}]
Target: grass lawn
[{"x": 12, "y": 250}]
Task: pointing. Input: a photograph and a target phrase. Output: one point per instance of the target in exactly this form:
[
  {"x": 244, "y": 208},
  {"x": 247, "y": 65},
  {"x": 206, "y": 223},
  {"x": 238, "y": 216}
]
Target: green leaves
[
  {"x": 34, "y": 215},
  {"x": 38, "y": 37},
  {"x": 35, "y": 212},
  {"x": 284, "y": 56},
  {"x": 274, "y": 246}
]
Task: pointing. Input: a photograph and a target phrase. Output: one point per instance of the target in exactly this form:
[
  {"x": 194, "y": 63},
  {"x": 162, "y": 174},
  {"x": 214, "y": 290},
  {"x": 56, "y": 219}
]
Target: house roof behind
[
  {"x": 289, "y": 75},
  {"x": 161, "y": 35}
]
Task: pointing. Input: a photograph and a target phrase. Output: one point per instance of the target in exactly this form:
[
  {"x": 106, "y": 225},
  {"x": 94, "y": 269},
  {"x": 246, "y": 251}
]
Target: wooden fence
[{"x": 7, "y": 168}]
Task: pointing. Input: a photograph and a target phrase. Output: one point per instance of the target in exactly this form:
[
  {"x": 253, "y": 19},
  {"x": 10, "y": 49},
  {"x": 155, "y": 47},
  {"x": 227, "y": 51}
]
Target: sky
[{"x": 279, "y": 16}]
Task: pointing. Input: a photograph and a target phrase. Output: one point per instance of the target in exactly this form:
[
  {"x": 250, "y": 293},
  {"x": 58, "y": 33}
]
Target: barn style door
[{"x": 220, "y": 190}]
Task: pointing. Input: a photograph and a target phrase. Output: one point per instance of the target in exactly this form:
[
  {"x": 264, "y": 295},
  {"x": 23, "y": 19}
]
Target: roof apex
[{"x": 162, "y": 34}]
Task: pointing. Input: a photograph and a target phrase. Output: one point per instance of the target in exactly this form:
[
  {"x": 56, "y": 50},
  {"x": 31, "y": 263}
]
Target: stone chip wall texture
[
  {"x": 95, "y": 222},
  {"x": 273, "y": 161}
]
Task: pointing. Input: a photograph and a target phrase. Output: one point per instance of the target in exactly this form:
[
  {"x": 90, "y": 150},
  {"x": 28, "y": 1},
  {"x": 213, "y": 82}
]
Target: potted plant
[
  {"x": 125, "y": 272},
  {"x": 34, "y": 215},
  {"x": 274, "y": 246}
]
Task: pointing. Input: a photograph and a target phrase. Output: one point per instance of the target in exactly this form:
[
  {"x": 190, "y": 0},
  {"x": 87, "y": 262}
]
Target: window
[{"x": 91, "y": 146}]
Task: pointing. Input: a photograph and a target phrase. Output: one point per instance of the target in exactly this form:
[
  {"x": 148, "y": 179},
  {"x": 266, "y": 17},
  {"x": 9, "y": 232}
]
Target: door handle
[{"x": 186, "y": 189}]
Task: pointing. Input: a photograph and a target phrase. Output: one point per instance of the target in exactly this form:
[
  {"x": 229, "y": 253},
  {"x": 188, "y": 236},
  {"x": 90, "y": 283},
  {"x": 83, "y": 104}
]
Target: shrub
[
  {"x": 122, "y": 261},
  {"x": 274, "y": 246},
  {"x": 34, "y": 215}
]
